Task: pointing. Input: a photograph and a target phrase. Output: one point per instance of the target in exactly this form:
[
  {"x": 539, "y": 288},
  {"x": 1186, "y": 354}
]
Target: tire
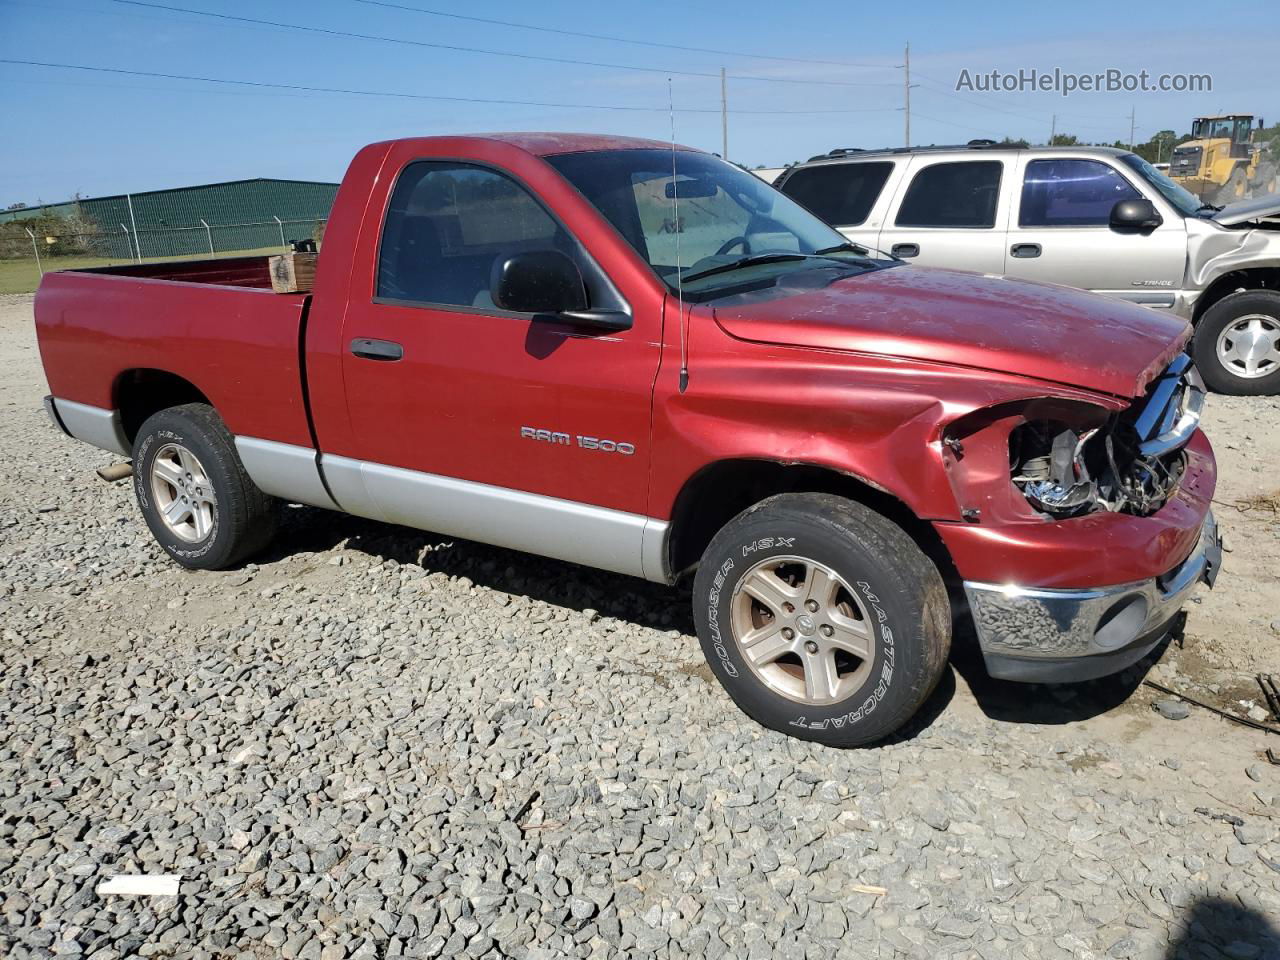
[
  {"x": 887, "y": 596},
  {"x": 222, "y": 521},
  {"x": 1255, "y": 314}
]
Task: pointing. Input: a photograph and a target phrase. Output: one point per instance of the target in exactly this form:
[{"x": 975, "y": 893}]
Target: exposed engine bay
[
  {"x": 1132, "y": 463},
  {"x": 1065, "y": 473}
]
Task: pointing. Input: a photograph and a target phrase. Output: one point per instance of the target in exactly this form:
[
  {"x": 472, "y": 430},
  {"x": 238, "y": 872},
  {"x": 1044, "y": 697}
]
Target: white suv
[{"x": 1092, "y": 217}]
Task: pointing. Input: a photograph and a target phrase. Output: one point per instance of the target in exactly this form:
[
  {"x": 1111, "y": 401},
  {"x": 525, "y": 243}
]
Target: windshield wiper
[
  {"x": 749, "y": 261},
  {"x": 1207, "y": 206},
  {"x": 841, "y": 248},
  {"x": 758, "y": 258}
]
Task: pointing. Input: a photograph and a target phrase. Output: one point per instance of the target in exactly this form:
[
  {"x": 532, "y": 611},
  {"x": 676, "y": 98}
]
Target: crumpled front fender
[{"x": 1213, "y": 253}]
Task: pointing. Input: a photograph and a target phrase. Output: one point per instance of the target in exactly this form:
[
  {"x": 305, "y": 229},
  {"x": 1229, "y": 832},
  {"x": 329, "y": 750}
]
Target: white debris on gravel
[
  {"x": 141, "y": 885},
  {"x": 440, "y": 749}
]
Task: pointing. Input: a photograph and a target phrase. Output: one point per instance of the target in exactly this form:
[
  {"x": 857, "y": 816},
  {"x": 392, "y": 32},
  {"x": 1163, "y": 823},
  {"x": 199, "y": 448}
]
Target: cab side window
[
  {"x": 447, "y": 226},
  {"x": 956, "y": 195},
  {"x": 1071, "y": 193}
]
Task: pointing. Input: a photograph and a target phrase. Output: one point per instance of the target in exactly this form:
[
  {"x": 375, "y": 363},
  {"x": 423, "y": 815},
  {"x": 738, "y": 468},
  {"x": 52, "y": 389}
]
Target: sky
[{"x": 68, "y": 131}]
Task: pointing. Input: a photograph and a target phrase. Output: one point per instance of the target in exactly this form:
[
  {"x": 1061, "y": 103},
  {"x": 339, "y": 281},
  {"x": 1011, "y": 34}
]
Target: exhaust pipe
[{"x": 117, "y": 471}]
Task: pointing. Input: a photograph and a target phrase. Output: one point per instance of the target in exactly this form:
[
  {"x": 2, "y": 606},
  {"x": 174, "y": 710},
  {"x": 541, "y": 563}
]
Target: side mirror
[
  {"x": 540, "y": 281},
  {"x": 549, "y": 282},
  {"x": 1135, "y": 215}
]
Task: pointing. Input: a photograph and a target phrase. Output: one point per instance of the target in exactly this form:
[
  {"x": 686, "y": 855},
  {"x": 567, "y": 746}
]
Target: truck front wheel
[
  {"x": 197, "y": 499},
  {"x": 822, "y": 619},
  {"x": 1237, "y": 344}
]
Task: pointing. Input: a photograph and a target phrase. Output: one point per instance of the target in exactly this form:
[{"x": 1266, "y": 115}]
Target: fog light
[{"x": 1122, "y": 622}]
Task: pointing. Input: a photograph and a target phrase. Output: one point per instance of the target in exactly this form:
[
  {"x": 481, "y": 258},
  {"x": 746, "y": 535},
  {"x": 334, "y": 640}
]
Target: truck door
[
  {"x": 458, "y": 406},
  {"x": 1060, "y": 233},
  {"x": 950, "y": 213}
]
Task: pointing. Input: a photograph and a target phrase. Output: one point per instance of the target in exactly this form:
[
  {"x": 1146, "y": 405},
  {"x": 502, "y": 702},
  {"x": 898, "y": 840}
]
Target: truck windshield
[
  {"x": 728, "y": 226},
  {"x": 1186, "y": 202}
]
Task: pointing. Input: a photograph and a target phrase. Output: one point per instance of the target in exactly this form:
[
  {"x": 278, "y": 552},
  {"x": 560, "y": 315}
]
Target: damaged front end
[
  {"x": 1100, "y": 510},
  {"x": 1130, "y": 462}
]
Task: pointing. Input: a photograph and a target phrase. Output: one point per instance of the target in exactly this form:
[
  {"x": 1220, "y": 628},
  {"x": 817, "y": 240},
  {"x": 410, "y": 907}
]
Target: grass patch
[{"x": 21, "y": 276}]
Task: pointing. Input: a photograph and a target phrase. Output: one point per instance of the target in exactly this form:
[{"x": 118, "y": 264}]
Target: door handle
[
  {"x": 1025, "y": 251},
  {"x": 376, "y": 349},
  {"x": 906, "y": 250}
]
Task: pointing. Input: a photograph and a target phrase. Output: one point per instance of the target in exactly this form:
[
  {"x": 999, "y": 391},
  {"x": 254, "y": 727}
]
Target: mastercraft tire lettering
[{"x": 822, "y": 619}]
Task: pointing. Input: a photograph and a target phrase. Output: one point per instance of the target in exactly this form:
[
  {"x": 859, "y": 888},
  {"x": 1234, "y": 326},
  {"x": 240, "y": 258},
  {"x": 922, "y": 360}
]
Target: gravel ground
[{"x": 376, "y": 742}]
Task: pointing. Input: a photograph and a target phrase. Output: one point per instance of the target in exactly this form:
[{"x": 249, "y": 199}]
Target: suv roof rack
[
  {"x": 837, "y": 152},
  {"x": 980, "y": 144},
  {"x": 976, "y": 144}
]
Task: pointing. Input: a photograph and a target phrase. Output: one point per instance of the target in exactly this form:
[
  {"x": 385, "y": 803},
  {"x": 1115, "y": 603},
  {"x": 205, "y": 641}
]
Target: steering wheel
[{"x": 738, "y": 241}]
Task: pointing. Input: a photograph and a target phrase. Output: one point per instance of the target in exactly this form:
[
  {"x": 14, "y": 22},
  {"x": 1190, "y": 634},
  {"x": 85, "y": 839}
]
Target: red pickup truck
[{"x": 644, "y": 359}]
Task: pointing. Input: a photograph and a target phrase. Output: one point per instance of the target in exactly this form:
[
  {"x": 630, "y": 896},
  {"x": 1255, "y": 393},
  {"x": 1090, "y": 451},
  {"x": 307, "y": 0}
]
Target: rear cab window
[
  {"x": 963, "y": 194},
  {"x": 842, "y": 194}
]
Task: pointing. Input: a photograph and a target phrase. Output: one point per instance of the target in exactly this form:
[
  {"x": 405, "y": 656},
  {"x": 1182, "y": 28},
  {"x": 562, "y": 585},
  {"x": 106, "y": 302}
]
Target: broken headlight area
[{"x": 1066, "y": 472}]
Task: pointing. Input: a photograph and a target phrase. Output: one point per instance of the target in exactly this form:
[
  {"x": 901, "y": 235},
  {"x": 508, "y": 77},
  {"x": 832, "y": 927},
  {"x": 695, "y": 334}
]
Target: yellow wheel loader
[{"x": 1223, "y": 162}]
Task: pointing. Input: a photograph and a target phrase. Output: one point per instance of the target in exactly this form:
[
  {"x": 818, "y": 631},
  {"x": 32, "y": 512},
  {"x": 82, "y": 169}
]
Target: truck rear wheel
[
  {"x": 822, "y": 619},
  {"x": 197, "y": 499},
  {"x": 1237, "y": 344}
]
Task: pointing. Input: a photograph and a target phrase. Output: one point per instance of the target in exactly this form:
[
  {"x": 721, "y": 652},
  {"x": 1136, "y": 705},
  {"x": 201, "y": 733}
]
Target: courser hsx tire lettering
[
  {"x": 198, "y": 502},
  {"x": 837, "y": 578}
]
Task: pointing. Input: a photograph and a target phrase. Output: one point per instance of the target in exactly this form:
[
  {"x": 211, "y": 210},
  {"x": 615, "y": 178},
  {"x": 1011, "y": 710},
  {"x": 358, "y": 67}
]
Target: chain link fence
[{"x": 29, "y": 249}]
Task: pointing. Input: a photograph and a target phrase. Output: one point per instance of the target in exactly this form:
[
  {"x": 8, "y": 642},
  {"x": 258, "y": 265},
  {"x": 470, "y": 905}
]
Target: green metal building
[{"x": 186, "y": 221}]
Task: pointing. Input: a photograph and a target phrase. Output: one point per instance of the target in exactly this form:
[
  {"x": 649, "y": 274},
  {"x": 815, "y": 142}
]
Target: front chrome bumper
[{"x": 1041, "y": 635}]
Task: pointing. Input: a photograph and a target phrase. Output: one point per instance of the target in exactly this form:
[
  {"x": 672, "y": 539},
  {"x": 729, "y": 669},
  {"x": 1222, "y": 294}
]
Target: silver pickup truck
[{"x": 1093, "y": 217}]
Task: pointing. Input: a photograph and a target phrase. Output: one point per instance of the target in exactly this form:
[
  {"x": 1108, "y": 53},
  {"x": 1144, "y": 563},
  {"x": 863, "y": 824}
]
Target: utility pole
[
  {"x": 906, "y": 94},
  {"x": 1132, "y": 113},
  {"x": 1053, "y": 130},
  {"x": 724, "y": 115}
]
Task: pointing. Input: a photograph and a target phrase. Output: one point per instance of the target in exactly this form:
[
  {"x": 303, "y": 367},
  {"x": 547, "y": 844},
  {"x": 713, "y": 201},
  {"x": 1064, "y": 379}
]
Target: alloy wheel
[
  {"x": 183, "y": 493},
  {"x": 802, "y": 630},
  {"x": 1250, "y": 346}
]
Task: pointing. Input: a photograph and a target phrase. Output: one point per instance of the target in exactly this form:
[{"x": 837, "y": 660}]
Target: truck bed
[
  {"x": 215, "y": 323},
  {"x": 230, "y": 272}
]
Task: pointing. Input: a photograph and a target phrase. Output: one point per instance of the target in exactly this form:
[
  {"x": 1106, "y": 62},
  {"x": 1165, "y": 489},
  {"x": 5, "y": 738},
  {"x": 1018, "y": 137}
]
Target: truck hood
[
  {"x": 947, "y": 316},
  {"x": 1242, "y": 211}
]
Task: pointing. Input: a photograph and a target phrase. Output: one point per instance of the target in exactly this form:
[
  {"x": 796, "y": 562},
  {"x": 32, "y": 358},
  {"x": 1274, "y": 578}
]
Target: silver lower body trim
[
  {"x": 563, "y": 529},
  {"x": 1028, "y": 624},
  {"x": 93, "y": 425},
  {"x": 284, "y": 470},
  {"x": 1159, "y": 300}
]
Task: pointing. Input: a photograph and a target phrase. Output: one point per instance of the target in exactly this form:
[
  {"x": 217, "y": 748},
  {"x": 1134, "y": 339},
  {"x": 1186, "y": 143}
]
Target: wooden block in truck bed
[{"x": 293, "y": 272}]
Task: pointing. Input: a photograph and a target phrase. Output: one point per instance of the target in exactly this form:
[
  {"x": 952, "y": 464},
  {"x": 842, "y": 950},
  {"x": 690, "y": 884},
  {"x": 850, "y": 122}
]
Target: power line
[
  {"x": 949, "y": 123},
  {"x": 614, "y": 39},
  {"x": 325, "y": 31},
  {"x": 945, "y": 92},
  {"x": 262, "y": 84},
  {"x": 955, "y": 96}
]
